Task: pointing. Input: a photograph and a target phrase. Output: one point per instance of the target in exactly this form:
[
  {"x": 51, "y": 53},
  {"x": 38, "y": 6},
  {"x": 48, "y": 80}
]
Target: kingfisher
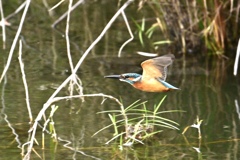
[{"x": 153, "y": 76}]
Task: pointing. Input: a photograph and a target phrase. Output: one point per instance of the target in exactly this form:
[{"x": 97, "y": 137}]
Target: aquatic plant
[{"x": 138, "y": 122}]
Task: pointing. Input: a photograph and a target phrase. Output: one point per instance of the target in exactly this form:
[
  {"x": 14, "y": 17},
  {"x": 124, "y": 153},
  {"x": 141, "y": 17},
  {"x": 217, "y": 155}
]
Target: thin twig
[
  {"x": 87, "y": 95},
  {"x": 130, "y": 32},
  {"x": 67, "y": 37},
  {"x": 65, "y": 14},
  {"x": 17, "y": 10},
  {"x": 237, "y": 59},
  {"x": 3, "y": 26},
  {"x": 56, "y": 5},
  {"x": 101, "y": 34},
  {"x": 24, "y": 81},
  {"x": 15, "y": 39},
  {"x": 47, "y": 105}
]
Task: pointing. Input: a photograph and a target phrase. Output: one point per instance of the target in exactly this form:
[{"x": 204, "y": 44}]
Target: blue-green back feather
[{"x": 167, "y": 84}]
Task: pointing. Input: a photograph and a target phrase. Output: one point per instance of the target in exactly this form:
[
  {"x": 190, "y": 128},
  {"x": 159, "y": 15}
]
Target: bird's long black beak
[{"x": 113, "y": 76}]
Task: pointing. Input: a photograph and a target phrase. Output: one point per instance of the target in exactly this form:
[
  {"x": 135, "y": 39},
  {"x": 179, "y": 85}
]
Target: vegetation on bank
[{"x": 192, "y": 25}]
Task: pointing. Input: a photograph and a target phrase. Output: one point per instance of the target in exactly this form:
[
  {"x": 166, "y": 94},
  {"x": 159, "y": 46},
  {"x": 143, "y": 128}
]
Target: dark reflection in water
[{"x": 208, "y": 90}]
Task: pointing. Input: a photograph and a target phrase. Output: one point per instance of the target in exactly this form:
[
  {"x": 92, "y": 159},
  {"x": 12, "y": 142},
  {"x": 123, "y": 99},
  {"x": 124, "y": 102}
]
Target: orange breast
[{"x": 150, "y": 85}]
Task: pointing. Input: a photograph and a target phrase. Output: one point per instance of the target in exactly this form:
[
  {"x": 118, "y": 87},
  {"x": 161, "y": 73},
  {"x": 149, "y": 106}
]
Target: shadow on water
[{"x": 208, "y": 91}]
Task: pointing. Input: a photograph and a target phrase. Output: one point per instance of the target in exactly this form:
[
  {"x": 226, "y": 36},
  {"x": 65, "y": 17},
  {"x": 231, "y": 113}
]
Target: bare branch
[
  {"x": 24, "y": 81},
  {"x": 15, "y": 39}
]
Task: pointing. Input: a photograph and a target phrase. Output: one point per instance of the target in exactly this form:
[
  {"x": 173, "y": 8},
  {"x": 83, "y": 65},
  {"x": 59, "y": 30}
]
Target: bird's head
[{"x": 130, "y": 78}]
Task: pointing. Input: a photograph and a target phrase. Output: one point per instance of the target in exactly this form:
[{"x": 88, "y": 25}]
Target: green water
[{"x": 208, "y": 91}]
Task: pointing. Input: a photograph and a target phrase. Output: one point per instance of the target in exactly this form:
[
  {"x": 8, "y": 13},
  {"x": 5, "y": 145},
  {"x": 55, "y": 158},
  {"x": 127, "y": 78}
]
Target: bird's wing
[{"x": 157, "y": 67}]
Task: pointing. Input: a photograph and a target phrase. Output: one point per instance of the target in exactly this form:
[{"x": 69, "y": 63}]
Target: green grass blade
[{"x": 159, "y": 104}]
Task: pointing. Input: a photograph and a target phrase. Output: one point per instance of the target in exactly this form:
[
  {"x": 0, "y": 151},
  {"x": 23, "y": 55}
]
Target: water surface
[{"x": 208, "y": 91}]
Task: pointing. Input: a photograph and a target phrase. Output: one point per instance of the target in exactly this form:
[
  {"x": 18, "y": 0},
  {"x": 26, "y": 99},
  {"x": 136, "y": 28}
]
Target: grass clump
[{"x": 137, "y": 123}]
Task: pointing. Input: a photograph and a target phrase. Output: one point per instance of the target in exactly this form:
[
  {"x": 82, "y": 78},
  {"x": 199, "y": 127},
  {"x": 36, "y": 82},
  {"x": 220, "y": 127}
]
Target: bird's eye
[{"x": 126, "y": 76}]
